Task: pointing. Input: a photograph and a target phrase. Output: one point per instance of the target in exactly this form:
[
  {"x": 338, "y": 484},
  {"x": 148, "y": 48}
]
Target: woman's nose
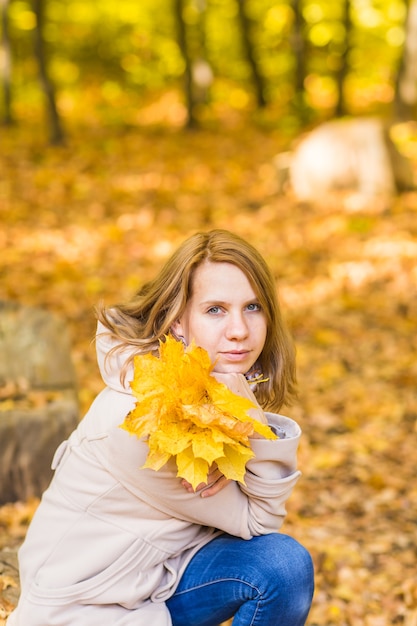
[{"x": 237, "y": 327}]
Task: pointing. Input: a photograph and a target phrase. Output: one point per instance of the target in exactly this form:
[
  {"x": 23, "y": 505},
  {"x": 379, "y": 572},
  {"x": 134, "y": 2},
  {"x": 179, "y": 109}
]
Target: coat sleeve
[{"x": 256, "y": 508}]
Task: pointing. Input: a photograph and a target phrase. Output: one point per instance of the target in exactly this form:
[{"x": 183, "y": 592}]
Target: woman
[{"x": 114, "y": 544}]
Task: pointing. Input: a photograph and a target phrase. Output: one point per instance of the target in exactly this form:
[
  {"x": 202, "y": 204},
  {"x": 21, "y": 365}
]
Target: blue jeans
[{"x": 266, "y": 581}]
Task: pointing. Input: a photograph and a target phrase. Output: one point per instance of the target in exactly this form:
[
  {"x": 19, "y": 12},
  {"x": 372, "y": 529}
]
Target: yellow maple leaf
[
  {"x": 234, "y": 461},
  {"x": 185, "y": 413},
  {"x": 192, "y": 468}
]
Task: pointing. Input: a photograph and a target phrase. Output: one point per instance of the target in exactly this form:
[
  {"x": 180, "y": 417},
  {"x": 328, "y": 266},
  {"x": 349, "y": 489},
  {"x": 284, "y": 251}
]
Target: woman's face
[{"x": 224, "y": 317}]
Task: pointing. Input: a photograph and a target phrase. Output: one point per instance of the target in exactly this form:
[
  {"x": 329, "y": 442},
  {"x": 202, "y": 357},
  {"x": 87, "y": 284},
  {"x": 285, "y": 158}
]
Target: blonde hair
[{"x": 147, "y": 318}]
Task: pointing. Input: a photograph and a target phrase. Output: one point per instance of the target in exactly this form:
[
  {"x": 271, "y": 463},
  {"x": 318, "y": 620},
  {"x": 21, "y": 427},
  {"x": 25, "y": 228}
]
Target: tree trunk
[
  {"x": 297, "y": 44},
  {"x": 6, "y": 65},
  {"x": 202, "y": 73},
  {"x": 405, "y": 100},
  {"x": 56, "y": 132},
  {"x": 343, "y": 69},
  {"x": 250, "y": 55},
  {"x": 188, "y": 75},
  {"x": 298, "y": 48}
]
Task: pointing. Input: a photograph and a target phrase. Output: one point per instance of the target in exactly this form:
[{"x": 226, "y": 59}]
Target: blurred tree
[
  {"x": 55, "y": 127},
  {"x": 247, "y": 40},
  {"x": 308, "y": 60},
  {"x": 341, "y": 107},
  {"x": 179, "y": 6},
  {"x": 405, "y": 102},
  {"x": 6, "y": 62},
  {"x": 198, "y": 74},
  {"x": 298, "y": 46},
  {"x": 202, "y": 72}
]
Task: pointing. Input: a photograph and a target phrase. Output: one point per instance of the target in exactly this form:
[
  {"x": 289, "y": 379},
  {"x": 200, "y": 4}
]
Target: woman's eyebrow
[
  {"x": 213, "y": 301},
  {"x": 225, "y": 302}
]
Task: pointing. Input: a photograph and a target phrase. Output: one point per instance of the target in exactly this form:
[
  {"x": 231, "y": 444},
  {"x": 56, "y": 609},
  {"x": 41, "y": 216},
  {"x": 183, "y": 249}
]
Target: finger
[
  {"x": 188, "y": 486},
  {"x": 213, "y": 489},
  {"x": 213, "y": 475},
  {"x": 238, "y": 384}
]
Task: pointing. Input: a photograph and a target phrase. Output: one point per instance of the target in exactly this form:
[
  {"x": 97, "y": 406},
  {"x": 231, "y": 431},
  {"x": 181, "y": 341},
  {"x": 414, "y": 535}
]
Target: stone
[
  {"x": 38, "y": 398},
  {"x": 354, "y": 155}
]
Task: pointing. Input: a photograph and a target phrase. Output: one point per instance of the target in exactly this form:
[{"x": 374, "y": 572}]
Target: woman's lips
[{"x": 235, "y": 356}]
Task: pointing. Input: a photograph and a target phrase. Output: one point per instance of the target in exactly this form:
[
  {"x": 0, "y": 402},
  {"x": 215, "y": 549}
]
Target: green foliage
[{"x": 134, "y": 45}]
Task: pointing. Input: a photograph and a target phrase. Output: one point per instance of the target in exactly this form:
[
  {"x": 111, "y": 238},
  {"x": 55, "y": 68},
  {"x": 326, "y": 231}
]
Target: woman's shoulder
[{"x": 111, "y": 358}]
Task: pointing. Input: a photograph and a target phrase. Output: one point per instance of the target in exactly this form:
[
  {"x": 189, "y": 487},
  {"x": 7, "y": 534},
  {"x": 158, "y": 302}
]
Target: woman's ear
[
  {"x": 176, "y": 327},
  {"x": 177, "y": 331}
]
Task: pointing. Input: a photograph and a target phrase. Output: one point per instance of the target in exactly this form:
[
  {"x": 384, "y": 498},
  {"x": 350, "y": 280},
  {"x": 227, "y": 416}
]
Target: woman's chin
[{"x": 230, "y": 368}]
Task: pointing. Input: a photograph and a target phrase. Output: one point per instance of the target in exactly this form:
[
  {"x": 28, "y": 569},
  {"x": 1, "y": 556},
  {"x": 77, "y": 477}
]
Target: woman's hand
[
  {"x": 215, "y": 479},
  {"x": 240, "y": 386},
  {"x": 215, "y": 483}
]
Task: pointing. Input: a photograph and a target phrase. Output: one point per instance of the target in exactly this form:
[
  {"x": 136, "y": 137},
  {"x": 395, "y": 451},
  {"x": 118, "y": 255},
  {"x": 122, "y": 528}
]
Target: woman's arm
[
  {"x": 215, "y": 479},
  {"x": 242, "y": 510}
]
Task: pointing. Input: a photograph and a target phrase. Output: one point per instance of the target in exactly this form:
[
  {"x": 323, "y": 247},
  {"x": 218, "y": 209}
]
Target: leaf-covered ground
[{"x": 95, "y": 219}]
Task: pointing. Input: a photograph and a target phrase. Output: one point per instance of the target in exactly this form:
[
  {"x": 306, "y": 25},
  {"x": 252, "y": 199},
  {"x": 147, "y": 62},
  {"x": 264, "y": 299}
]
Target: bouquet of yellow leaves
[{"x": 184, "y": 412}]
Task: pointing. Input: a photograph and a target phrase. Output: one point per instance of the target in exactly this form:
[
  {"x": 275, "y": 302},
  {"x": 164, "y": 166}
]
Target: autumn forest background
[{"x": 127, "y": 126}]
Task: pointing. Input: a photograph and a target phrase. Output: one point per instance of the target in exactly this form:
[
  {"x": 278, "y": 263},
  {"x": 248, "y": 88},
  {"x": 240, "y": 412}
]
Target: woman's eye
[
  {"x": 254, "y": 307},
  {"x": 214, "y": 310}
]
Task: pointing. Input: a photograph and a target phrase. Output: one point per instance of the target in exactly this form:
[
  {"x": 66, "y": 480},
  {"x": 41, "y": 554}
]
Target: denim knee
[
  {"x": 281, "y": 571},
  {"x": 283, "y": 563}
]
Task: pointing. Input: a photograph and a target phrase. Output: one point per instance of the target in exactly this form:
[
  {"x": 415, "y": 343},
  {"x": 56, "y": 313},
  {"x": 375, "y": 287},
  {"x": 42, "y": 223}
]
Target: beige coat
[{"x": 109, "y": 541}]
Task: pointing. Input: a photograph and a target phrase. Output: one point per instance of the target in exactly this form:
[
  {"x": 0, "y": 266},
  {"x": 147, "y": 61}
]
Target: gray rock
[
  {"x": 34, "y": 347},
  {"x": 38, "y": 398}
]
